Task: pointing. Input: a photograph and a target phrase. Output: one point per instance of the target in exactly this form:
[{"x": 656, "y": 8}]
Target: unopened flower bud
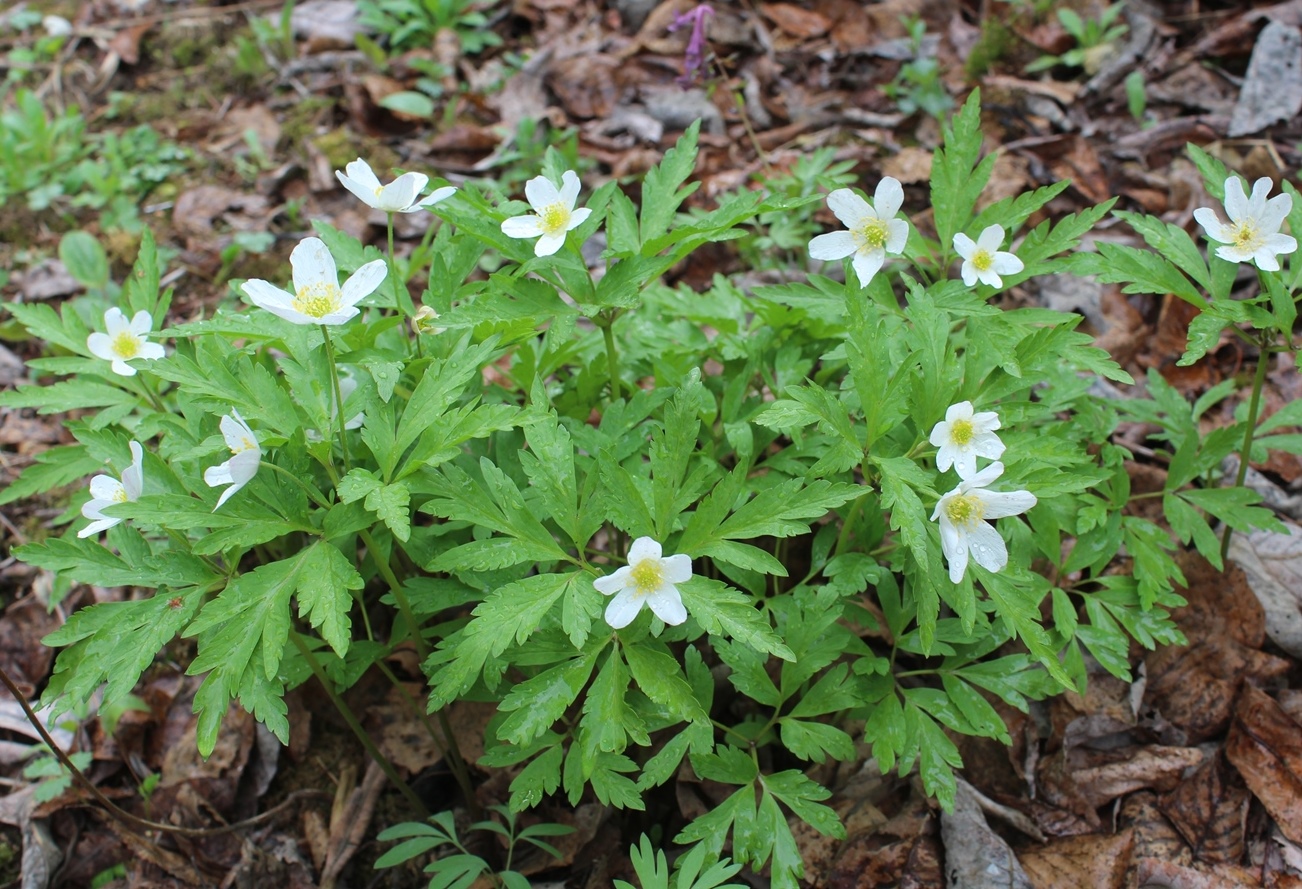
[{"x": 422, "y": 321}]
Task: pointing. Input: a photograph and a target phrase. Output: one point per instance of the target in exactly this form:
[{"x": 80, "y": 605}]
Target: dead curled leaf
[
  {"x": 1209, "y": 809},
  {"x": 1265, "y": 745},
  {"x": 1093, "y": 860},
  {"x": 1272, "y": 563}
]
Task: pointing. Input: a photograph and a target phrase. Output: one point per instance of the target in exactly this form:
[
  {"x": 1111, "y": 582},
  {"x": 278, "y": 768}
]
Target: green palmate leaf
[
  {"x": 813, "y": 404},
  {"x": 608, "y": 721},
  {"x": 42, "y": 322},
  {"x": 509, "y": 614},
  {"x": 937, "y": 755},
  {"x": 437, "y": 392},
  {"x": 723, "y": 611},
  {"x": 141, "y": 286},
  {"x": 663, "y": 191},
  {"x": 800, "y": 794},
  {"x": 392, "y": 504},
  {"x": 980, "y": 716},
  {"x": 1174, "y": 243},
  {"x": 324, "y": 600},
  {"x": 664, "y": 764},
  {"x": 51, "y": 469},
  {"x": 661, "y": 679},
  {"x": 114, "y": 643},
  {"x": 1017, "y": 600},
  {"x": 671, "y": 451},
  {"x": 956, "y": 178},
  {"x": 549, "y": 464},
  {"x": 815, "y": 741},
  {"x": 1142, "y": 271},
  {"x": 1045, "y": 242},
  {"x": 538, "y": 779},
  {"x": 70, "y": 395},
  {"x": 540, "y": 701},
  {"x": 84, "y": 258},
  {"x": 747, "y": 673},
  {"x": 610, "y": 784},
  {"x": 1235, "y": 507},
  {"x": 86, "y": 561}
]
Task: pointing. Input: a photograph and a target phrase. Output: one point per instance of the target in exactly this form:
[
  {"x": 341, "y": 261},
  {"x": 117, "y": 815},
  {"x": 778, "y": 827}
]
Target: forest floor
[{"x": 220, "y": 127}]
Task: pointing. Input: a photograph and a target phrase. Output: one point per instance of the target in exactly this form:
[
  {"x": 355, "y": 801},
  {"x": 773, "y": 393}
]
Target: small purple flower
[{"x": 697, "y": 47}]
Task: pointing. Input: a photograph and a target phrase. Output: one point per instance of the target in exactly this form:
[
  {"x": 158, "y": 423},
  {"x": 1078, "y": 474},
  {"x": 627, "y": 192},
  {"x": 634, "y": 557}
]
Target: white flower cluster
[{"x": 960, "y": 438}]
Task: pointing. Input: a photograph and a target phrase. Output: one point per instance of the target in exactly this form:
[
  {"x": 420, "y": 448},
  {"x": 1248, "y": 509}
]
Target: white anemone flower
[
  {"x": 105, "y": 490},
  {"x": 873, "y": 231},
  {"x": 983, "y": 260},
  {"x": 317, "y": 296},
  {"x": 246, "y": 457},
  {"x": 399, "y": 196},
  {"x": 963, "y": 436},
  {"x": 553, "y": 213},
  {"x": 124, "y": 341},
  {"x": 1252, "y": 234},
  {"x": 963, "y": 526},
  {"x": 647, "y": 579}
]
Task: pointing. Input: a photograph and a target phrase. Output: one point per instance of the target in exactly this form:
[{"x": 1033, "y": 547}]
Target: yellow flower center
[
  {"x": 554, "y": 218},
  {"x": 246, "y": 444},
  {"x": 1246, "y": 235},
  {"x": 872, "y": 234},
  {"x": 317, "y": 300},
  {"x": 964, "y": 510},
  {"x": 982, "y": 260},
  {"x": 961, "y": 432},
  {"x": 647, "y": 576},
  {"x": 126, "y": 345},
  {"x": 120, "y": 495}
]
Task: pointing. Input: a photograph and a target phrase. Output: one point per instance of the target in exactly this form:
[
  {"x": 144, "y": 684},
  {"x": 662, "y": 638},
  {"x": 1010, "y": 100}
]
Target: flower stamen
[
  {"x": 965, "y": 511},
  {"x": 554, "y": 218},
  {"x": 126, "y": 345},
  {"x": 982, "y": 260},
  {"x": 647, "y": 576},
  {"x": 873, "y": 234},
  {"x": 961, "y": 431},
  {"x": 317, "y": 299}
]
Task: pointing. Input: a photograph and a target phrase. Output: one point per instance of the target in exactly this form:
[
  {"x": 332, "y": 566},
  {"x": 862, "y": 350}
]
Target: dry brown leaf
[
  {"x": 1153, "y": 767},
  {"x": 1155, "y": 873},
  {"x": 1099, "y": 862},
  {"x": 910, "y": 165},
  {"x": 1272, "y": 89},
  {"x": 1272, "y": 563},
  {"x": 1265, "y": 745},
  {"x": 1194, "y": 686},
  {"x": 587, "y": 85},
  {"x": 974, "y": 854},
  {"x": 794, "y": 20},
  {"x": 1209, "y": 808},
  {"x": 1154, "y": 837}
]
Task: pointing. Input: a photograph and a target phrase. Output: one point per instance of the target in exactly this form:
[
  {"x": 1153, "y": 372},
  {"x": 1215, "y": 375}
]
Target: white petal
[
  {"x": 1278, "y": 243},
  {"x": 982, "y": 478},
  {"x": 1265, "y": 260},
  {"x": 337, "y": 317},
  {"x": 613, "y": 583},
  {"x": 312, "y": 264},
  {"x": 644, "y": 548},
  {"x": 570, "y": 186},
  {"x": 107, "y": 488},
  {"x": 1230, "y": 253},
  {"x": 851, "y": 209},
  {"x": 677, "y": 569},
  {"x": 577, "y": 218},
  {"x": 95, "y": 527},
  {"x": 897, "y": 235},
  {"x": 1257, "y": 203},
  {"x": 150, "y": 351},
  {"x": 990, "y": 278},
  {"x": 959, "y": 411},
  {"x": 991, "y": 239},
  {"x": 1006, "y": 263},
  {"x": 1236, "y": 202},
  {"x": 219, "y": 475},
  {"x": 115, "y": 322},
  {"x": 360, "y": 171},
  {"x": 549, "y": 244},
  {"x": 522, "y": 227},
  {"x": 267, "y": 296},
  {"x": 366, "y": 195},
  {"x": 236, "y": 432},
  {"x": 401, "y": 193},
  {"x": 964, "y": 462},
  {"x": 133, "y": 477},
  {"x": 244, "y": 465},
  {"x": 1275, "y": 211},
  {"x": 362, "y": 283},
  {"x": 141, "y": 323},
  {"x": 623, "y": 609},
  {"x": 985, "y": 421},
  {"x": 866, "y": 264},
  {"x": 965, "y": 246},
  {"x": 667, "y": 605},
  {"x": 970, "y": 274},
  {"x": 987, "y": 547},
  {"x": 946, "y": 456},
  {"x": 833, "y": 245},
  {"x": 1215, "y": 229},
  {"x": 1001, "y": 504},
  {"x": 122, "y": 369},
  {"x": 953, "y": 543},
  {"x": 541, "y": 192},
  {"x": 101, "y": 346},
  {"x": 226, "y": 495},
  {"x": 438, "y": 194},
  {"x": 888, "y": 198},
  {"x": 988, "y": 445}
]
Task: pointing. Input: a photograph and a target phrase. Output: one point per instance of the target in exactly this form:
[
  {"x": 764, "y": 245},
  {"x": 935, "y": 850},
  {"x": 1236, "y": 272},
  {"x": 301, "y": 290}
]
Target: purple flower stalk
[{"x": 697, "y": 47}]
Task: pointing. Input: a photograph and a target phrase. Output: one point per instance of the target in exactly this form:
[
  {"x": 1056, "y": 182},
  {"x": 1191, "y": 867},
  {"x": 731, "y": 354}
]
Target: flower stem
[
  {"x": 346, "y": 712},
  {"x": 339, "y": 399},
  {"x": 612, "y": 356},
  {"x": 313, "y": 494},
  {"x": 1250, "y": 429},
  {"x": 400, "y": 287}
]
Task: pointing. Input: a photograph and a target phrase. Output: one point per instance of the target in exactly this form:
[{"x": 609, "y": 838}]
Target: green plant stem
[
  {"x": 313, "y": 494},
  {"x": 1250, "y": 429},
  {"x": 612, "y": 356},
  {"x": 346, "y": 712},
  {"x": 150, "y": 395},
  {"x": 400, "y": 293},
  {"x": 455, "y": 760},
  {"x": 843, "y": 538},
  {"x": 339, "y": 398}
]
